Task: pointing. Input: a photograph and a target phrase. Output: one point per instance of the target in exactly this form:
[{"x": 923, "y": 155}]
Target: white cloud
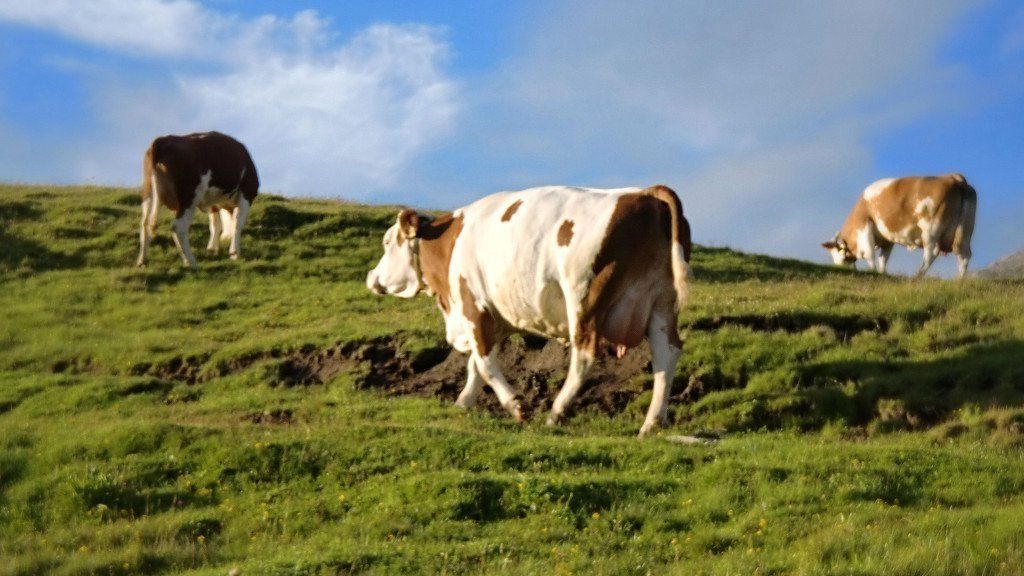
[
  {"x": 319, "y": 117},
  {"x": 760, "y": 113}
]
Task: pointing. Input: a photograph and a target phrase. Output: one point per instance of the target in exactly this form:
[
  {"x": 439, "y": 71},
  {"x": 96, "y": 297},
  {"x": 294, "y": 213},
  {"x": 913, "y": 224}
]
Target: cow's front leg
[
  {"x": 179, "y": 231},
  {"x": 883, "y": 259},
  {"x": 580, "y": 360},
  {"x": 474, "y": 384},
  {"x": 665, "y": 349},
  {"x": 490, "y": 372},
  {"x": 930, "y": 250}
]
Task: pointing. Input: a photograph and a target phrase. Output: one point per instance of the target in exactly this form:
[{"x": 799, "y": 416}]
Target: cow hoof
[
  {"x": 234, "y": 256},
  {"x": 515, "y": 411},
  {"x": 646, "y": 429},
  {"x": 140, "y": 264},
  {"x": 554, "y": 419}
]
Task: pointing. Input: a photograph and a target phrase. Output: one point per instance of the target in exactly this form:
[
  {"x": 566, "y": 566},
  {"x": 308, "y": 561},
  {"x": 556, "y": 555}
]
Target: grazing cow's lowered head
[
  {"x": 596, "y": 269},
  {"x": 840, "y": 251},
  {"x": 398, "y": 272}
]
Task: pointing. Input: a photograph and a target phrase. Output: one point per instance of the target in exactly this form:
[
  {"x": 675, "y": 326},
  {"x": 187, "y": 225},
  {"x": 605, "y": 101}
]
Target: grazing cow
[
  {"x": 207, "y": 171},
  {"x": 588, "y": 267},
  {"x": 931, "y": 212}
]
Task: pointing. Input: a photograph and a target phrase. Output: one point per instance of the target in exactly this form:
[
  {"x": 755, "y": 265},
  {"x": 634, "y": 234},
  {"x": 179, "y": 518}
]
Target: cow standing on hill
[
  {"x": 935, "y": 213},
  {"x": 207, "y": 171},
  {"x": 586, "y": 266}
]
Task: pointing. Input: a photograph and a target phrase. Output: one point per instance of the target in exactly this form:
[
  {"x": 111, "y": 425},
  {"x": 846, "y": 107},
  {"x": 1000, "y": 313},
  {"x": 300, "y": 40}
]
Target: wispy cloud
[
  {"x": 318, "y": 115},
  {"x": 759, "y": 114}
]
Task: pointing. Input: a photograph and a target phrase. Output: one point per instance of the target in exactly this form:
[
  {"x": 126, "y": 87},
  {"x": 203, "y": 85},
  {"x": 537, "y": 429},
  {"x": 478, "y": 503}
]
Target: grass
[{"x": 870, "y": 425}]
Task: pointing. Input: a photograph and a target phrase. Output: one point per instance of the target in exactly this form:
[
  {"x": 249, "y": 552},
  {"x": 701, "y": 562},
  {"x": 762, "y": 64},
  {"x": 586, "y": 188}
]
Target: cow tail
[
  {"x": 965, "y": 228},
  {"x": 681, "y": 244}
]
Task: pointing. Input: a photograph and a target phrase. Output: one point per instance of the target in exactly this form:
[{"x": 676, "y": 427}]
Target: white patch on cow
[
  {"x": 925, "y": 207},
  {"x": 876, "y": 188},
  {"x": 866, "y": 244}
]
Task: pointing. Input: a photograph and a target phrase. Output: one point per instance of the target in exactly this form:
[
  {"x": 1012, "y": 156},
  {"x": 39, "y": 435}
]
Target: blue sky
[{"x": 768, "y": 118}]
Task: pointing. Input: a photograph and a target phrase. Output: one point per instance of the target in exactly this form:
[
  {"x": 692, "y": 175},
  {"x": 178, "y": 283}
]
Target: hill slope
[
  {"x": 1011, "y": 266},
  {"x": 273, "y": 415}
]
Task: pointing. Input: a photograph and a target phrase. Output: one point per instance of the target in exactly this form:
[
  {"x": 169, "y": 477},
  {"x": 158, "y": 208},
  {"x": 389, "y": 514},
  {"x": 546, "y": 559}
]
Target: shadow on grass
[{"x": 916, "y": 394}]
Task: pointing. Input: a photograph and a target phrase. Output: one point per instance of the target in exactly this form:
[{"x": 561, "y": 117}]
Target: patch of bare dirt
[{"x": 534, "y": 367}]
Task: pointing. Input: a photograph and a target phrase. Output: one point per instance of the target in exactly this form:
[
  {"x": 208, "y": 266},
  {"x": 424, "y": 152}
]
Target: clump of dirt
[
  {"x": 272, "y": 417},
  {"x": 178, "y": 369}
]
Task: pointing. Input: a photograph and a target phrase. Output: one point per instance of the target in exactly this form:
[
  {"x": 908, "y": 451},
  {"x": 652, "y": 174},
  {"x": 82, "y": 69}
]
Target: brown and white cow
[
  {"x": 207, "y": 171},
  {"x": 589, "y": 267},
  {"x": 935, "y": 213}
]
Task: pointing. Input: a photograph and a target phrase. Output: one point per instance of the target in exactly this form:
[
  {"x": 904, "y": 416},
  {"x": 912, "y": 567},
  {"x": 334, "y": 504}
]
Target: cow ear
[
  {"x": 829, "y": 245},
  {"x": 408, "y": 223}
]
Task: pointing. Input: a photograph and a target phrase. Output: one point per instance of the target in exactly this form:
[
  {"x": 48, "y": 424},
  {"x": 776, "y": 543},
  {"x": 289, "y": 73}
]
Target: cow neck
[
  {"x": 437, "y": 241},
  {"x": 855, "y": 222}
]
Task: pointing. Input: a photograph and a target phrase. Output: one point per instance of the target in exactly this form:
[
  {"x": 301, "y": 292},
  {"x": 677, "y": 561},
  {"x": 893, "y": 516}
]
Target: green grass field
[{"x": 151, "y": 421}]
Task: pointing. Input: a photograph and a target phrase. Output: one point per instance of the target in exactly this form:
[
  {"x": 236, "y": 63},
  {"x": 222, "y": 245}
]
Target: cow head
[
  {"x": 398, "y": 272},
  {"x": 840, "y": 251}
]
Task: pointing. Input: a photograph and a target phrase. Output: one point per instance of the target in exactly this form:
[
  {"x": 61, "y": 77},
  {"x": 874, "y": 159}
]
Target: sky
[{"x": 768, "y": 118}]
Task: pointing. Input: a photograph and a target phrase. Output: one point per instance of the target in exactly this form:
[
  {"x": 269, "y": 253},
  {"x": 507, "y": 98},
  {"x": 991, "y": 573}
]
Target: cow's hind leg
[
  {"x": 241, "y": 213},
  {"x": 491, "y": 373},
  {"x": 147, "y": 227},
  {"x": 179, "y": 230},
  {"x": 214, "y": 244},
  {"x": 474, "y": 384},
  {"x": 665, "y": 350},
  {"x": 580, "y": 360}
]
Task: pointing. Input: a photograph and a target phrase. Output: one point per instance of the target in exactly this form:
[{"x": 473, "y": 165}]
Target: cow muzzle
[{"x": 374, "y": 285}]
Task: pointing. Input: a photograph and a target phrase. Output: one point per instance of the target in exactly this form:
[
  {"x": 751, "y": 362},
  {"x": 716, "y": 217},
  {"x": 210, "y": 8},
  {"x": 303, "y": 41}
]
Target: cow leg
[
  {"x": 883, "y": 259},
  {"x": 474, "y": 384},
  {"x": 214, "y": 244},
  {"x": 240, "y": 214},
  {"x": 962, "y": 260},
  {"x": 580, "y": 360},
  {"x": 491, "y": 373},
  {"x": 179, "y": 231},
  {"x": 147, "y": 228},
  {"x": 930, "y": 249},
  {"x": 663, "y": 337}
]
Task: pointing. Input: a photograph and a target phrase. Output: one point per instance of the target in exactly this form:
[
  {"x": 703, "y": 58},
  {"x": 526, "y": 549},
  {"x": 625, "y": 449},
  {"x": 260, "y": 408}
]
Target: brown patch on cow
[
  {"x": 179, "y": 162},
  {"x": 565, "y": 233},
  {"x": 484, "y": 332},
  {"x": 637, "y": 243},
  {"x": 437, "y": 240},
  {"x": 511, "y": 210}
]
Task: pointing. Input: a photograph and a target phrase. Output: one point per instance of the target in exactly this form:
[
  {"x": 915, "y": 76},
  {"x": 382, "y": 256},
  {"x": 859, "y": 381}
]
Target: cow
[
  {"x": 589, "y": 267},
  {"x": 206, "y": 171},
  {"x": 935, "y": 213}
]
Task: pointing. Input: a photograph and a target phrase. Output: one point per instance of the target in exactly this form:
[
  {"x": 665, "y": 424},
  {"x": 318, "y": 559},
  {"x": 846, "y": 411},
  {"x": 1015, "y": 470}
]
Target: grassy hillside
[{"x": 274, "y": 416}]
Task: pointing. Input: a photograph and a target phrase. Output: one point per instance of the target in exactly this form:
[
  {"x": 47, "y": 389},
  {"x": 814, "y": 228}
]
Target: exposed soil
[{"x": 535, "y": 367}]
